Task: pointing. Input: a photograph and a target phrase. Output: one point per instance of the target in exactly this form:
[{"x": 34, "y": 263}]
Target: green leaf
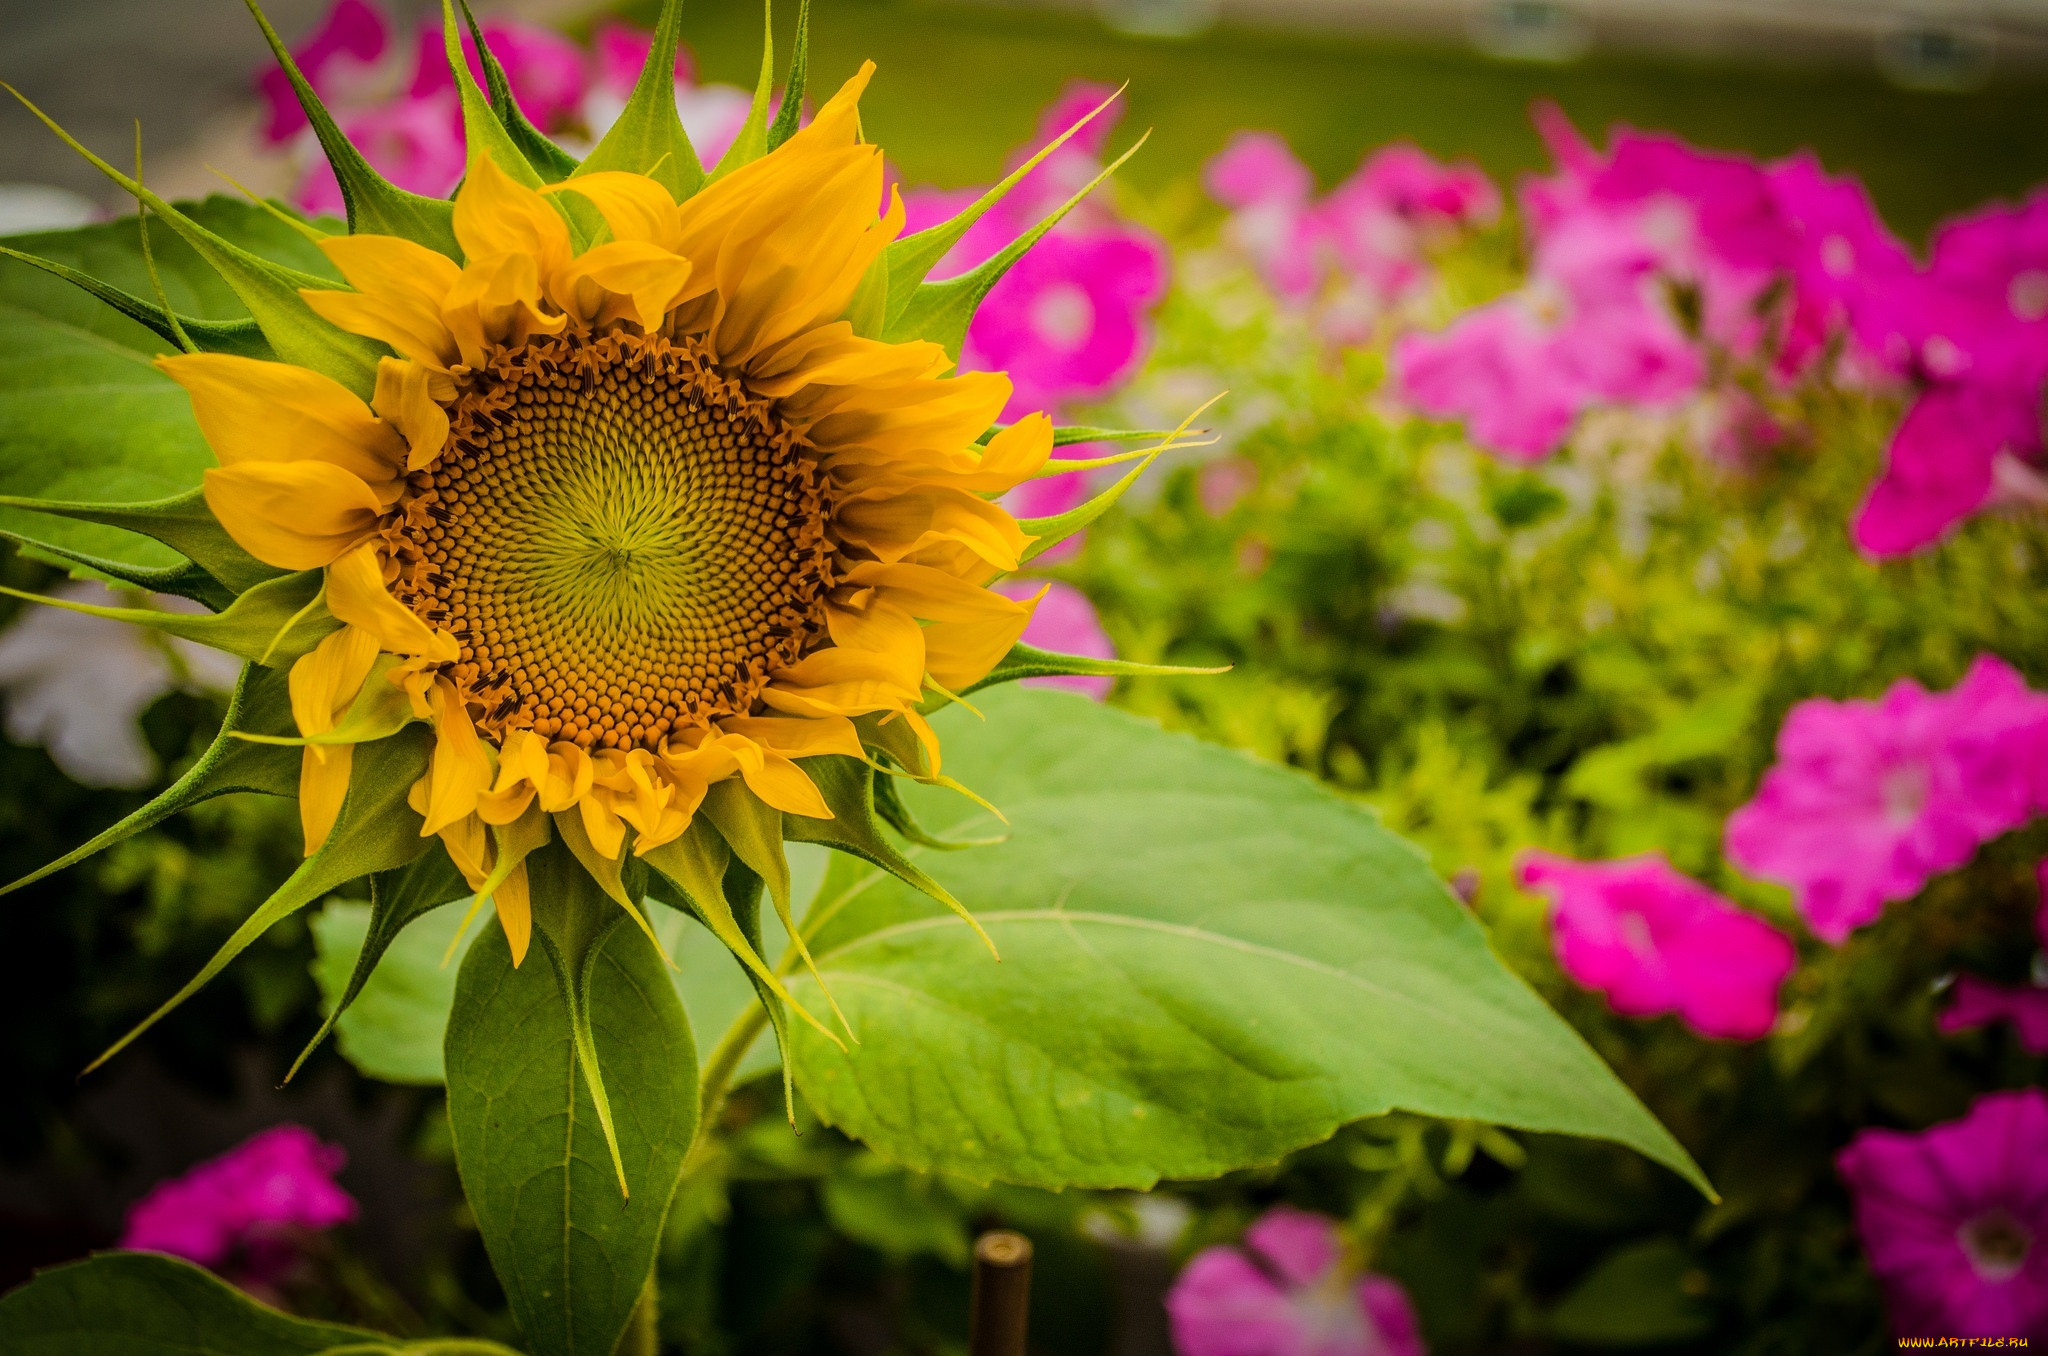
[
  {"x": 183, "y": 523},
  {"x": 377, "y": 831},
  {"x": 1208, "y": 962},
  {"x": 1636, "y": 1295},
  {"x": 388, "y": 985},
  {"x": 240, "y": 337},
  {"x": 84, "y": 418},
  {"x": 649, "y": 138},
  {"x": 571, "y": 1251},
  {"x": 147, "y": 1304},
  {"x": 481, "y": 130},
  {"x": 375, "y": 205},
  {"x": 549, "y": 161},
  {"x": 261, "y": 703},
  {"x": 1028, "y": 661},
  {"x": 272, "y": 624}
]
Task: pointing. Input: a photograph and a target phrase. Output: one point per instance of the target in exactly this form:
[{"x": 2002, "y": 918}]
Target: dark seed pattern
[{"x": 623, "y": 542}]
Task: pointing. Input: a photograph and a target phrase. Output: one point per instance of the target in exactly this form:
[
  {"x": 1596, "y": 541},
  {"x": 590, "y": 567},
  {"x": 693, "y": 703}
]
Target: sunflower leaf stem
[
  {"x": 549, "y": 161},
  {"x": 790, "y": 115},
  {"x": 750, "y": 143},
  {"x": 482, "y": 131}
]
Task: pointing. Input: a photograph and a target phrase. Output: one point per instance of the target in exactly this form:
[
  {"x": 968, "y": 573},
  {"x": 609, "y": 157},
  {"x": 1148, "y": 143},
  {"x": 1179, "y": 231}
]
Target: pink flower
[
  {"x": 243, "y": 1206},
  {"x": 1974, "y": 329},
  {"x": 1589, "y": 328},
  {"x": 350, "y": 40},
  {"x": 1870, "y": 799},
  {"x": 1274, "y": 223},
  {"x": 1064, "y": 623},
  {"x": 1843, "y": 259},
  {"x": 1288, "y": 1293},
  {"x": 546, "y": 70},
  {"x": 1655, "y": 941},
  {"x": 1954, "y": 1219},
  {"x": 1979, "y": 1002},
  {"x": 1379, "y": 223}
]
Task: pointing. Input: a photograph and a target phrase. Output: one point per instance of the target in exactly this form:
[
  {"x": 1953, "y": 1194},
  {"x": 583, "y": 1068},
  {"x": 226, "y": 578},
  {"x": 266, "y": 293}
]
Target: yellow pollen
[{"x": 622, "y": 541}]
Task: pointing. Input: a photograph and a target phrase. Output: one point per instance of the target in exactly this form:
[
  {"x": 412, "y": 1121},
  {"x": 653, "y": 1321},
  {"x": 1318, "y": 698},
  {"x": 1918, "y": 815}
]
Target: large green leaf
[
  {"x": 83, "y": 416},
  {"x": 1206, "y": 962},
  {"x": 147, "y": 1304},
  {"x": 571, "y": 1250},
  {"x": 387, "y": 984}
]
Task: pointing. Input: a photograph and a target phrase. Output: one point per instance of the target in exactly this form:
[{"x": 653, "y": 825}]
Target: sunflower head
[{"x": 618, "y": 510}]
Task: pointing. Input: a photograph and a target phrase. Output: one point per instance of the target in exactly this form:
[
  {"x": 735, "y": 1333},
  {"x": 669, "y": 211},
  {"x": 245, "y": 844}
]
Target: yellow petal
[
  {"x": 460, "y": 770},
  {"x": 959, "y": 654},
  {"x": 496, "y": 215},
  {"x": 797, "y": 738},
  {"x": 356, "y": 594},
  {"x": 635, "y": 207},
  {"x": 295, "y": 515},
  {"x": 894, "y": 525},
  {"x": 404, "y": 400},
  {"x": 327, "y": 678},
  {"x": 323, "y": 785},
  {"x": 622, "y": 280},
  {"x": 256, "y": 411},
  {"x": 400, "y": 286},
  {"x": 498, "y": 302},
  {"x": 515, "y": 912}
]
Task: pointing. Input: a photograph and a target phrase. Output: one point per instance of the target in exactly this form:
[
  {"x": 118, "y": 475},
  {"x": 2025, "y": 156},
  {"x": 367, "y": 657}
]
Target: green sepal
[
  {"x": 890, "y": 808},
  {"x": 754, "y": 830},
  {"x": 649, "y": 138},
  {"x": 940, "y": 311},
  {"x": 396, "y": 899},
  {"x": 1028, "y": 661},
  {"x": 270, "y": 291},
  {"x": 571, "y": 1247},
  {"x": 239, "y": 337},
  {"x": 375, "y": 205},
  {"x": 549, "y": 161},
  {"x": 261, "y": 701},
  {"x": 1068, "y": 436},
  {"x": 699, "y": 869},
  {"x": 750, "y": 143},
  {"x": 272, "y": 624},
  {"x": 182, "y": 522},
  {"x": 868, "y": 311},
  {"x": 706, "y": 869},
  {"x": 912, "y": 258},
  {"x": 790, "y": 116},
  {"x": 186, "y": 581},
  {"x": 1050, "y": 532},
  {"x": 481, "y": 129},
  {"x": 128, "y": 1303},
  {"x": 848, "y": 785},
  {"x": 376, "y": 831}
]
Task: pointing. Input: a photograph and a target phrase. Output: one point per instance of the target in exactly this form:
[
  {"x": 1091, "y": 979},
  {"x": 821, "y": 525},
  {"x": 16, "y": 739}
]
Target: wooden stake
[{"x": 1001, "y": 1307}]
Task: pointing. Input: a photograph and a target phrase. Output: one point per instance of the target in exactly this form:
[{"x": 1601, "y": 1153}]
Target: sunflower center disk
[{"x": 622, "y": 541}]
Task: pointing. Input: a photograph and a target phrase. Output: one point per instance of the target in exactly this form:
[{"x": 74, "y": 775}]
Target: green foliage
[
  {"x": 1257, "y": 963},
  {"x": 146, "y": 1304},
  {"x": 572, "y": 1249},
  {"x": 83, "y": 415},
  {"x": 392, "y": 1026}
]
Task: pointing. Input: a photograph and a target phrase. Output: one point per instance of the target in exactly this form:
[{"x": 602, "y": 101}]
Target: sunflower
[{"x": 616, "y": 510}]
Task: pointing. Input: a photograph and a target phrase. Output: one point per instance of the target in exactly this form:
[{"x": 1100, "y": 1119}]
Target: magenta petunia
[
  {"x": 1065, "y": 622},
  {"x": 1656, "y": 941},
  {"x": 352, "y": 38},
  {"x": 1273, "y": 221},
  {"x": 239, "y": 1210},
  {"x": 1978, "y": 1002},
  {"x": 1870, "y": 799},
  {"x": 1955, "y": 1219},
  {"x": 1287, "y": 1292},
  {"x": 1844, "y": 260}
]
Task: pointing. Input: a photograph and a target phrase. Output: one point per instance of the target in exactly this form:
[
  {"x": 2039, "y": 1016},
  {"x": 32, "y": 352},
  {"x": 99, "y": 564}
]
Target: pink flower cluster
[
  {"x": 1070, "y": 321},
  {"x": 397, "y": 101},
  {"x": 1868, "y": 800},
  {"x": 1363, "y": 249},
  {"x": 1287, "y": 1292},
  {"x": 1655, "y": 941},
  {"x": 1645, "y": 262},
  {"x": 1955, "y": 1219},
  {"x": 240, "y": 1211}
]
